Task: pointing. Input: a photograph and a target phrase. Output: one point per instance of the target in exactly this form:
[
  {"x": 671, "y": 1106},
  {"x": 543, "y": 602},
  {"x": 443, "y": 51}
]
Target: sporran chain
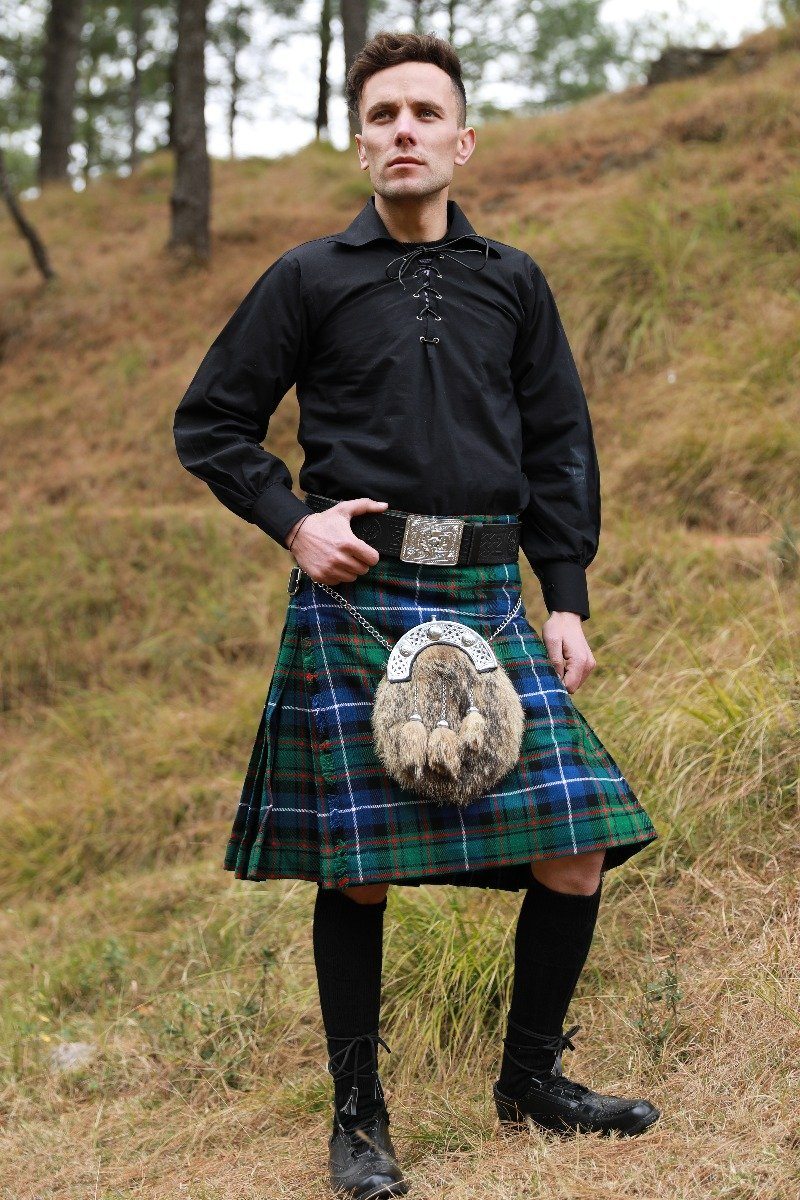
[{"x": 375, "y": 633}]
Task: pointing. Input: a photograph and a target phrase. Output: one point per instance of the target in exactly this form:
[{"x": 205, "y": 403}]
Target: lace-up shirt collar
[{"x": 368, "y": 227}]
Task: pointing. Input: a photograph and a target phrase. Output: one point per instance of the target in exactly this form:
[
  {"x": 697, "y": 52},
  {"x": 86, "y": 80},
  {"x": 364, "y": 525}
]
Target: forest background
[{"x": 159, "y": 1026}]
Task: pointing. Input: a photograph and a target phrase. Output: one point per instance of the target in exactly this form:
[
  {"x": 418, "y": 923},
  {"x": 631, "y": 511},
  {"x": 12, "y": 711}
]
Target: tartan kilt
[{"x": 317, "y": 803}]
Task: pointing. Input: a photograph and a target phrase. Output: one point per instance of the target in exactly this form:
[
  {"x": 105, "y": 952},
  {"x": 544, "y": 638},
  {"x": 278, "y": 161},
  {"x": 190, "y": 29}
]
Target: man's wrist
[
  {"x": 277, "y": 511},
  {"x": 564, "y": 587},
  {"x": 293, "y": 532}
]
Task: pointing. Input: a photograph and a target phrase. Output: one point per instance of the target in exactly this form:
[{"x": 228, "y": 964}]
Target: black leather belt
[{"x": 437, "y": 541}]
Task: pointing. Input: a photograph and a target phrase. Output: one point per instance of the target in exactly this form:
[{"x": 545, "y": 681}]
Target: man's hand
[
  {"x": 326, "y": 547},
  {"x": 568, "y": 649}
]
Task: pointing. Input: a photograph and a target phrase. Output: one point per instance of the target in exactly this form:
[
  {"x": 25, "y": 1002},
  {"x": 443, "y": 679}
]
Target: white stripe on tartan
[
  {"x": 308, "y": 811},
  {"x": 368, "y": 703},
  {"x": 533, "y": 787},
  {"x": 387, "y": 608},
  {"x": 555, "y": 747},
  {"x": 263, "y": 816},
  {"x": 341, "y": 741}
]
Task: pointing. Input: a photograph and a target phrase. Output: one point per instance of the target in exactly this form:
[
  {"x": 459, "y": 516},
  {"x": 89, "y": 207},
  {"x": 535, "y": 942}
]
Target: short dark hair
[{"x": 387, "y": 49}]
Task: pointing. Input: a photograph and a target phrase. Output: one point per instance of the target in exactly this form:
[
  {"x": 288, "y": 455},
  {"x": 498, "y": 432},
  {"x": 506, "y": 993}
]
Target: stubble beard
[{"x": 412, "y": 190}]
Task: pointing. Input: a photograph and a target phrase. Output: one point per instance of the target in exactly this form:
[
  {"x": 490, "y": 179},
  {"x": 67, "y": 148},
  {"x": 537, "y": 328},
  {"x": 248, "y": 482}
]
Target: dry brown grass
[{"x": 141, "y": 625}]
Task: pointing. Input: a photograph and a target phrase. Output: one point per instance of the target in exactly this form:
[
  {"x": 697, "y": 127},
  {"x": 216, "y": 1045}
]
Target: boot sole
[
  {"x": 385, "y": 1192},
  {"x": 509, "y": 1114}
]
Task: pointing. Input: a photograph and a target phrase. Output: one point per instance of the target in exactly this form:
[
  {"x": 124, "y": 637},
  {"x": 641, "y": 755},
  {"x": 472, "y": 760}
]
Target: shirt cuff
[
  {"x": 564, "y": 587},
  {"x": 276, "y": 510}
]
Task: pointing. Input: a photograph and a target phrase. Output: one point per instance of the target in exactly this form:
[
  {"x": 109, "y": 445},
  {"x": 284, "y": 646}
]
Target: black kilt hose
[{"x": 316, "y": 802}]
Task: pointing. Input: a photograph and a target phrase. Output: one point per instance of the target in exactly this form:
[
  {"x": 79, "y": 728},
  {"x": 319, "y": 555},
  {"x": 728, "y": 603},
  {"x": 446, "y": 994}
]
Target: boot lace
[
  {"x": 558, "y": 1043},
  {"x": 337, "y": 1066}
]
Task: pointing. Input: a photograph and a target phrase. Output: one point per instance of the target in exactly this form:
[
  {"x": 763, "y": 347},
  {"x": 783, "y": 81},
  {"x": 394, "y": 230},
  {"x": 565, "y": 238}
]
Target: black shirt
[{"x": 436, "y": 376}]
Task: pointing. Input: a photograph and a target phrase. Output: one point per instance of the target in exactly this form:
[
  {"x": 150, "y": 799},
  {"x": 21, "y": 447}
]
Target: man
[{"x": 435, "y": 384}]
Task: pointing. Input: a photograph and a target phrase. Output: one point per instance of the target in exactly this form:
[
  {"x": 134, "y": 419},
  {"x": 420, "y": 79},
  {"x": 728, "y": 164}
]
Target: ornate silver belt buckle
[{"x": 434, "y": 540}]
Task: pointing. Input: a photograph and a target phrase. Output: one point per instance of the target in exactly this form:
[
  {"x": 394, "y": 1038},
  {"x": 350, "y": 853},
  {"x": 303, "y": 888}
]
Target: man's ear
[
  {"x": 360, "y": 147},
  {"x": 466, "y": 145}
]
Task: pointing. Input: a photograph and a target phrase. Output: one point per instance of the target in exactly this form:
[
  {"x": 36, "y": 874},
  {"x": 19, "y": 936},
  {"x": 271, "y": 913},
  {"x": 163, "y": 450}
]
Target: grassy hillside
[{"x": 140, "y": 625}]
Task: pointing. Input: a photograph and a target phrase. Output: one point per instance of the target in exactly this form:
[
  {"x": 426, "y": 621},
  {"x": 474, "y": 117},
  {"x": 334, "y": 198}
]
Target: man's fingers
[
  {"x": 352, "y": 508},
  {"x": 578, "y": 670},
  {"x": 573, "y": 678},
  {"x": 555, "y": 651},
  {"x": 361, "y": 551},
  {"x": 358, "y": 551},
  {"x": 341, "y": 560},
  {"x": 568, "y": 650}
]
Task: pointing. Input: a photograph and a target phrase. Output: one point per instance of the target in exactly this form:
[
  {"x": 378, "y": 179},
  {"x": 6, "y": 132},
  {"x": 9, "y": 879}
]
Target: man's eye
[{"x": 382, "y": 113}]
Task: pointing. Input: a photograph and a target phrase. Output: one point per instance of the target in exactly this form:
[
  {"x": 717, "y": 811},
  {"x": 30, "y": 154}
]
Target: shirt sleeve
[
  {"x": 561, "y": 523},
  {"x": 225, "y": 412}
]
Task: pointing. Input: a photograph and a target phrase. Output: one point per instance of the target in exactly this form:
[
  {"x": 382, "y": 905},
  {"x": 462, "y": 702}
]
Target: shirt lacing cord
[{"x": 425, "y": 253}]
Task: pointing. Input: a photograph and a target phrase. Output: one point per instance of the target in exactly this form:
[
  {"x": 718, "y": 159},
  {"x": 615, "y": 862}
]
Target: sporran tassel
[
  {"x": 472, "y": 729},
  {"x": 443, "y": 748},
  {"x": 411, "y": 741}
]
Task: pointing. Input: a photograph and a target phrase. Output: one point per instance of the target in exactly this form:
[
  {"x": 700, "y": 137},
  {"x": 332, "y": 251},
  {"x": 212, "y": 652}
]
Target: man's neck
[{"x": 415, "y": 219}]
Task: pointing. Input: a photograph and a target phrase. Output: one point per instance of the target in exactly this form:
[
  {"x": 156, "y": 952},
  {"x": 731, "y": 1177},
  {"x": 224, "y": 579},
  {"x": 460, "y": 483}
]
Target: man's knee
[
  {"x": 578, "y": 874},
  {"x": 367, "y": 893}
]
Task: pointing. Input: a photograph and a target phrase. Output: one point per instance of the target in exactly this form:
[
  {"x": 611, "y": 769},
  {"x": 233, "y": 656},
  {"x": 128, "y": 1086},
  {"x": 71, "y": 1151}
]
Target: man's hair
[{"x": 387, "y": 49}]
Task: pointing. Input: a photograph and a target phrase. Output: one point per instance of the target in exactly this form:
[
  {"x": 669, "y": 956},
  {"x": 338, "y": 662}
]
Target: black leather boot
[
  {"x": 362, "y": 1158},
  {"x": 557, "y": 1103}
]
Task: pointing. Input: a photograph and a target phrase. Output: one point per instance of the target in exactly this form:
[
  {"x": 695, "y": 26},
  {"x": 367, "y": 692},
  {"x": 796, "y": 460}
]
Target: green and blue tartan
[{"x": 317, "y": 804}]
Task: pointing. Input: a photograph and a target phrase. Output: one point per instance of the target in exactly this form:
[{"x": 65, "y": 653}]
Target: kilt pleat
[{"x": 316, "y": 802}]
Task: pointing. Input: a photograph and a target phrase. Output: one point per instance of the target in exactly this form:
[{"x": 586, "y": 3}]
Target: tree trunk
[
  {"x": 62, "y": 43},
  {"x": 23, "y": 225},
  {"x": 135, "y": 92},
  {"x": 191, "y": 193},
  {"x": 451, "y": 19},
  {"x": 324, "y": 50},
  {"x": 173, "y": 58},
  {"x": 355, "y": 17},
  {"x": 237, "y": 41}
]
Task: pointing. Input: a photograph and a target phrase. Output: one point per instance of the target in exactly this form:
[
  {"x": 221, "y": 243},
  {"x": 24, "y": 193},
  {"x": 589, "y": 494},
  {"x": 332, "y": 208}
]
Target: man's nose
[{"x": 405, "y": 130}]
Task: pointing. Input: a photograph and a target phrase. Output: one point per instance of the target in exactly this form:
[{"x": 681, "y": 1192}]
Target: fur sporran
[
  {"x": 443, "y": 727},
  {"x": 447, "y": 721}
]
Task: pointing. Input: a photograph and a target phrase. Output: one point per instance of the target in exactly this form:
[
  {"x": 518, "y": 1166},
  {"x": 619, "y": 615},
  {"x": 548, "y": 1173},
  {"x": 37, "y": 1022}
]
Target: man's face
[{"x": 411, "y": 110}]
